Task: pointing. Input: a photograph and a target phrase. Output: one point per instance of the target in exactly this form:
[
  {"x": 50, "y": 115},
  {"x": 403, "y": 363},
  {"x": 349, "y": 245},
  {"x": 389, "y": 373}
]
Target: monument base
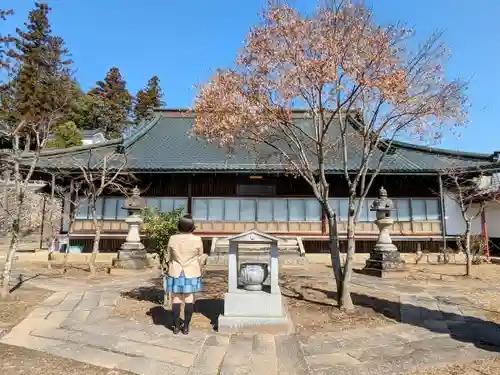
[
  {"x": 131, "y": 256},
  {"x": 385, "y": 263},
  {"x": 253, "y": 324},
  {"x": 251, "y": 311}
]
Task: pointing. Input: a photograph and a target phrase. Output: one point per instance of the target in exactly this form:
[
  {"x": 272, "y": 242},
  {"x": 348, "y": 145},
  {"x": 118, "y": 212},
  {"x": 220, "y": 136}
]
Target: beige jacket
[{"x": 184, "y": 253}]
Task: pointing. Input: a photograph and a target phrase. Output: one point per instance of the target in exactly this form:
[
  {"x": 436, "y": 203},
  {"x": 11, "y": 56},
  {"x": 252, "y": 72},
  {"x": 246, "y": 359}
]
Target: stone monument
[
  {"x": 249, "y": 304},
  {"x": 385, "y": 259},
  {"x": 132, "y": 253}
]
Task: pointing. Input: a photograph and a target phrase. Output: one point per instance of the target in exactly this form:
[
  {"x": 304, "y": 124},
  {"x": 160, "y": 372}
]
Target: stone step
[
  {"x": 284, "y": 259},
  {"x": 27, "y": 244},
  {"x": 395, "y": 349},
  {"x": 250, "y": 354},
  {"x": 257, "y": 252},
  {"x": 290, "y": 357},
  {"x": 290, "y": 244}
]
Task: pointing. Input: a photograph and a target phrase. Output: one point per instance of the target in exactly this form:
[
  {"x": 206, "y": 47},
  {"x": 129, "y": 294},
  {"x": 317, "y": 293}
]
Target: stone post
[
  {"x": 385, "y": 258},
  {"x": 132, "y": 253}
]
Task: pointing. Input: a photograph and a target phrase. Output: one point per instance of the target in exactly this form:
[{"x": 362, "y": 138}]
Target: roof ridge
[
  {"x": 142, "y": 130},
  {"x": 441, "y": 151},
  {"x": 430, "y": 150},
  {"x": 70, "y": 150}
]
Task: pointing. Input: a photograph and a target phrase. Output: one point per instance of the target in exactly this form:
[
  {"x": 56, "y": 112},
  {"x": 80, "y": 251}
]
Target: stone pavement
[{"x": 75, "y": 323}]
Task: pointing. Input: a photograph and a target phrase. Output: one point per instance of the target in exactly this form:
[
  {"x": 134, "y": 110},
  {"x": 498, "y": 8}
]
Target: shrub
[{"x": 159, "y": 227}]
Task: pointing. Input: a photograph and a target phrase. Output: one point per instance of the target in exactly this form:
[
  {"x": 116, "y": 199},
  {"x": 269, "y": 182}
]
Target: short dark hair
[{"x": 186, "y": 224}]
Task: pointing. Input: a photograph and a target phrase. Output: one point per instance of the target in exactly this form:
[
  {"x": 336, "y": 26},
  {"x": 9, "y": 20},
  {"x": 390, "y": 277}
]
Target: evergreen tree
[
  {"x": 66, "y": 135},
  {"x": 110, "y": 103},
  {"x": 4, "y": 39},
  {"x": 36, "y": 93},
  {"x": 147, "y": 99},
  {"x": 43, "y": 81}
]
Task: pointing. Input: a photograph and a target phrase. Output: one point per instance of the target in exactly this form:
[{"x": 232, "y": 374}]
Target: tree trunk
[
  {"x": 27, "y": 145},
  {"x": 9, "y": 261},
  {"x": 71, "y": 225},
  {"x": 53, "y": 233},
  {"x": 15, "y": 227},
  {"x": 73, "y": 208},
  {"x": 95, "y": 247},
  {"x": 468, "y": 256},
  {"x": 346, "y": 300},
  {"x": 335, "y": 253}
]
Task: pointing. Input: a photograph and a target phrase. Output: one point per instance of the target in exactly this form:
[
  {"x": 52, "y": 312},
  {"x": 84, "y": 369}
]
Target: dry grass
[
  {"x": 309, "y": 300},
  {"x": 489, "y": 366},
  {"x": 18, "y": 305},
  {"x": 139, "y": 304},
  {"x": 21, "y": 361},
  {"x": 484, "y": 273}
]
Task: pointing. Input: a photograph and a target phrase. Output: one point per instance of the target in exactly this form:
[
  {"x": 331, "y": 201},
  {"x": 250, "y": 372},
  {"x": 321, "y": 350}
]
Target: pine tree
[
  {"x": 5, "y": 39},
  {"x": 147, "y": 99},
  {"x": 112, "y": 100},
  {"x": 66, "y": 135},
  {"x": 43, "y": 77}
]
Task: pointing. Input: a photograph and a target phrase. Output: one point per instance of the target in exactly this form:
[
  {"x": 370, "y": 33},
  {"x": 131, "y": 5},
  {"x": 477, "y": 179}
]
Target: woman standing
[{"x": 184, "y": 257}]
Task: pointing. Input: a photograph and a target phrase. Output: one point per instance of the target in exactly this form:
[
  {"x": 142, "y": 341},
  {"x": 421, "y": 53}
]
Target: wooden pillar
[
  {"x": 442, "y": 211},
  {"x": 53, "y": 186},
  {"x": 69, "y": 207},
  {"x": 190, "y": 195},
  {"x": 52, "y": 195},
  {"x": 43, "y": 221},
  {"x": 484, "y": 225}
]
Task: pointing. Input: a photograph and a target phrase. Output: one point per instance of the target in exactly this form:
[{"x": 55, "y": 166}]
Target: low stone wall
[
  {"x": 39, "y": 213},
  {"x": 410, "y": 258}
]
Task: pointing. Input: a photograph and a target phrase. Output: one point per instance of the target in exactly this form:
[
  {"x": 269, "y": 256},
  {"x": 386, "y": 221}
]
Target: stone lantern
[
  {"x": 132, "y": 253},
  {"x": 385, "y": 258}
]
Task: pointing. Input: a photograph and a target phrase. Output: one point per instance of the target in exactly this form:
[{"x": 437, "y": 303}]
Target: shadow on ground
[
  {"x": 479, "y": 332},
  {"x": 209, "y": 303},
  {"x": 464, "y": 328},
  {"x": 20, "y": 280}
]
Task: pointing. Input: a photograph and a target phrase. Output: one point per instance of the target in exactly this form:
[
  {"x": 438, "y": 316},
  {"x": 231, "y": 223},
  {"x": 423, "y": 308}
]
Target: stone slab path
[{"x": 75, "y": 323}]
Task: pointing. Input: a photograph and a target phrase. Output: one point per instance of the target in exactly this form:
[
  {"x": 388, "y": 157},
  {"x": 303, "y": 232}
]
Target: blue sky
[{"x": 184, "y": 41}]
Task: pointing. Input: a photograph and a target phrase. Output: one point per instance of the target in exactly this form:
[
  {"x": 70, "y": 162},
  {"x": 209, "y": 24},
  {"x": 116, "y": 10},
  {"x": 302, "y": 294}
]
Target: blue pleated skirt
[{"x": 182, "y": 284}]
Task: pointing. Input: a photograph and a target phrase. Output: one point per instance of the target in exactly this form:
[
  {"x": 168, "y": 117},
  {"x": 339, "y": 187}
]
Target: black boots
[
  {"x": 188, "y": 313},
  {"x": 176, "y": 311}
]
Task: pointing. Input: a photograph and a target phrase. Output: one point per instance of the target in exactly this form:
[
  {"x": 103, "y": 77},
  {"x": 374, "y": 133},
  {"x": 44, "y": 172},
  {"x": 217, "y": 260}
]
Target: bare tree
[
  {"x": 23, "y": 169},
  {"x": 100, "y": 171},
  {"x": 359, "y": 88},
  {"x": 471, "y": 190}
]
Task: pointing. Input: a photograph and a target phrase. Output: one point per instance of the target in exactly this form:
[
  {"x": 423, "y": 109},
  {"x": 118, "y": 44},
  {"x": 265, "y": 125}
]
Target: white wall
[
  {"x": 493, "y": 219},
  {"x": 454, "y": 221},
  {"x": 455, "y": 224}
]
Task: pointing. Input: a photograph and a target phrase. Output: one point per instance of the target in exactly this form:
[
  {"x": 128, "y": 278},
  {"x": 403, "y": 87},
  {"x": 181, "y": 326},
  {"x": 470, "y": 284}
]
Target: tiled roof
[
  {"x": 61, "y": 159},
  {"x": 165, "y": 144}
]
